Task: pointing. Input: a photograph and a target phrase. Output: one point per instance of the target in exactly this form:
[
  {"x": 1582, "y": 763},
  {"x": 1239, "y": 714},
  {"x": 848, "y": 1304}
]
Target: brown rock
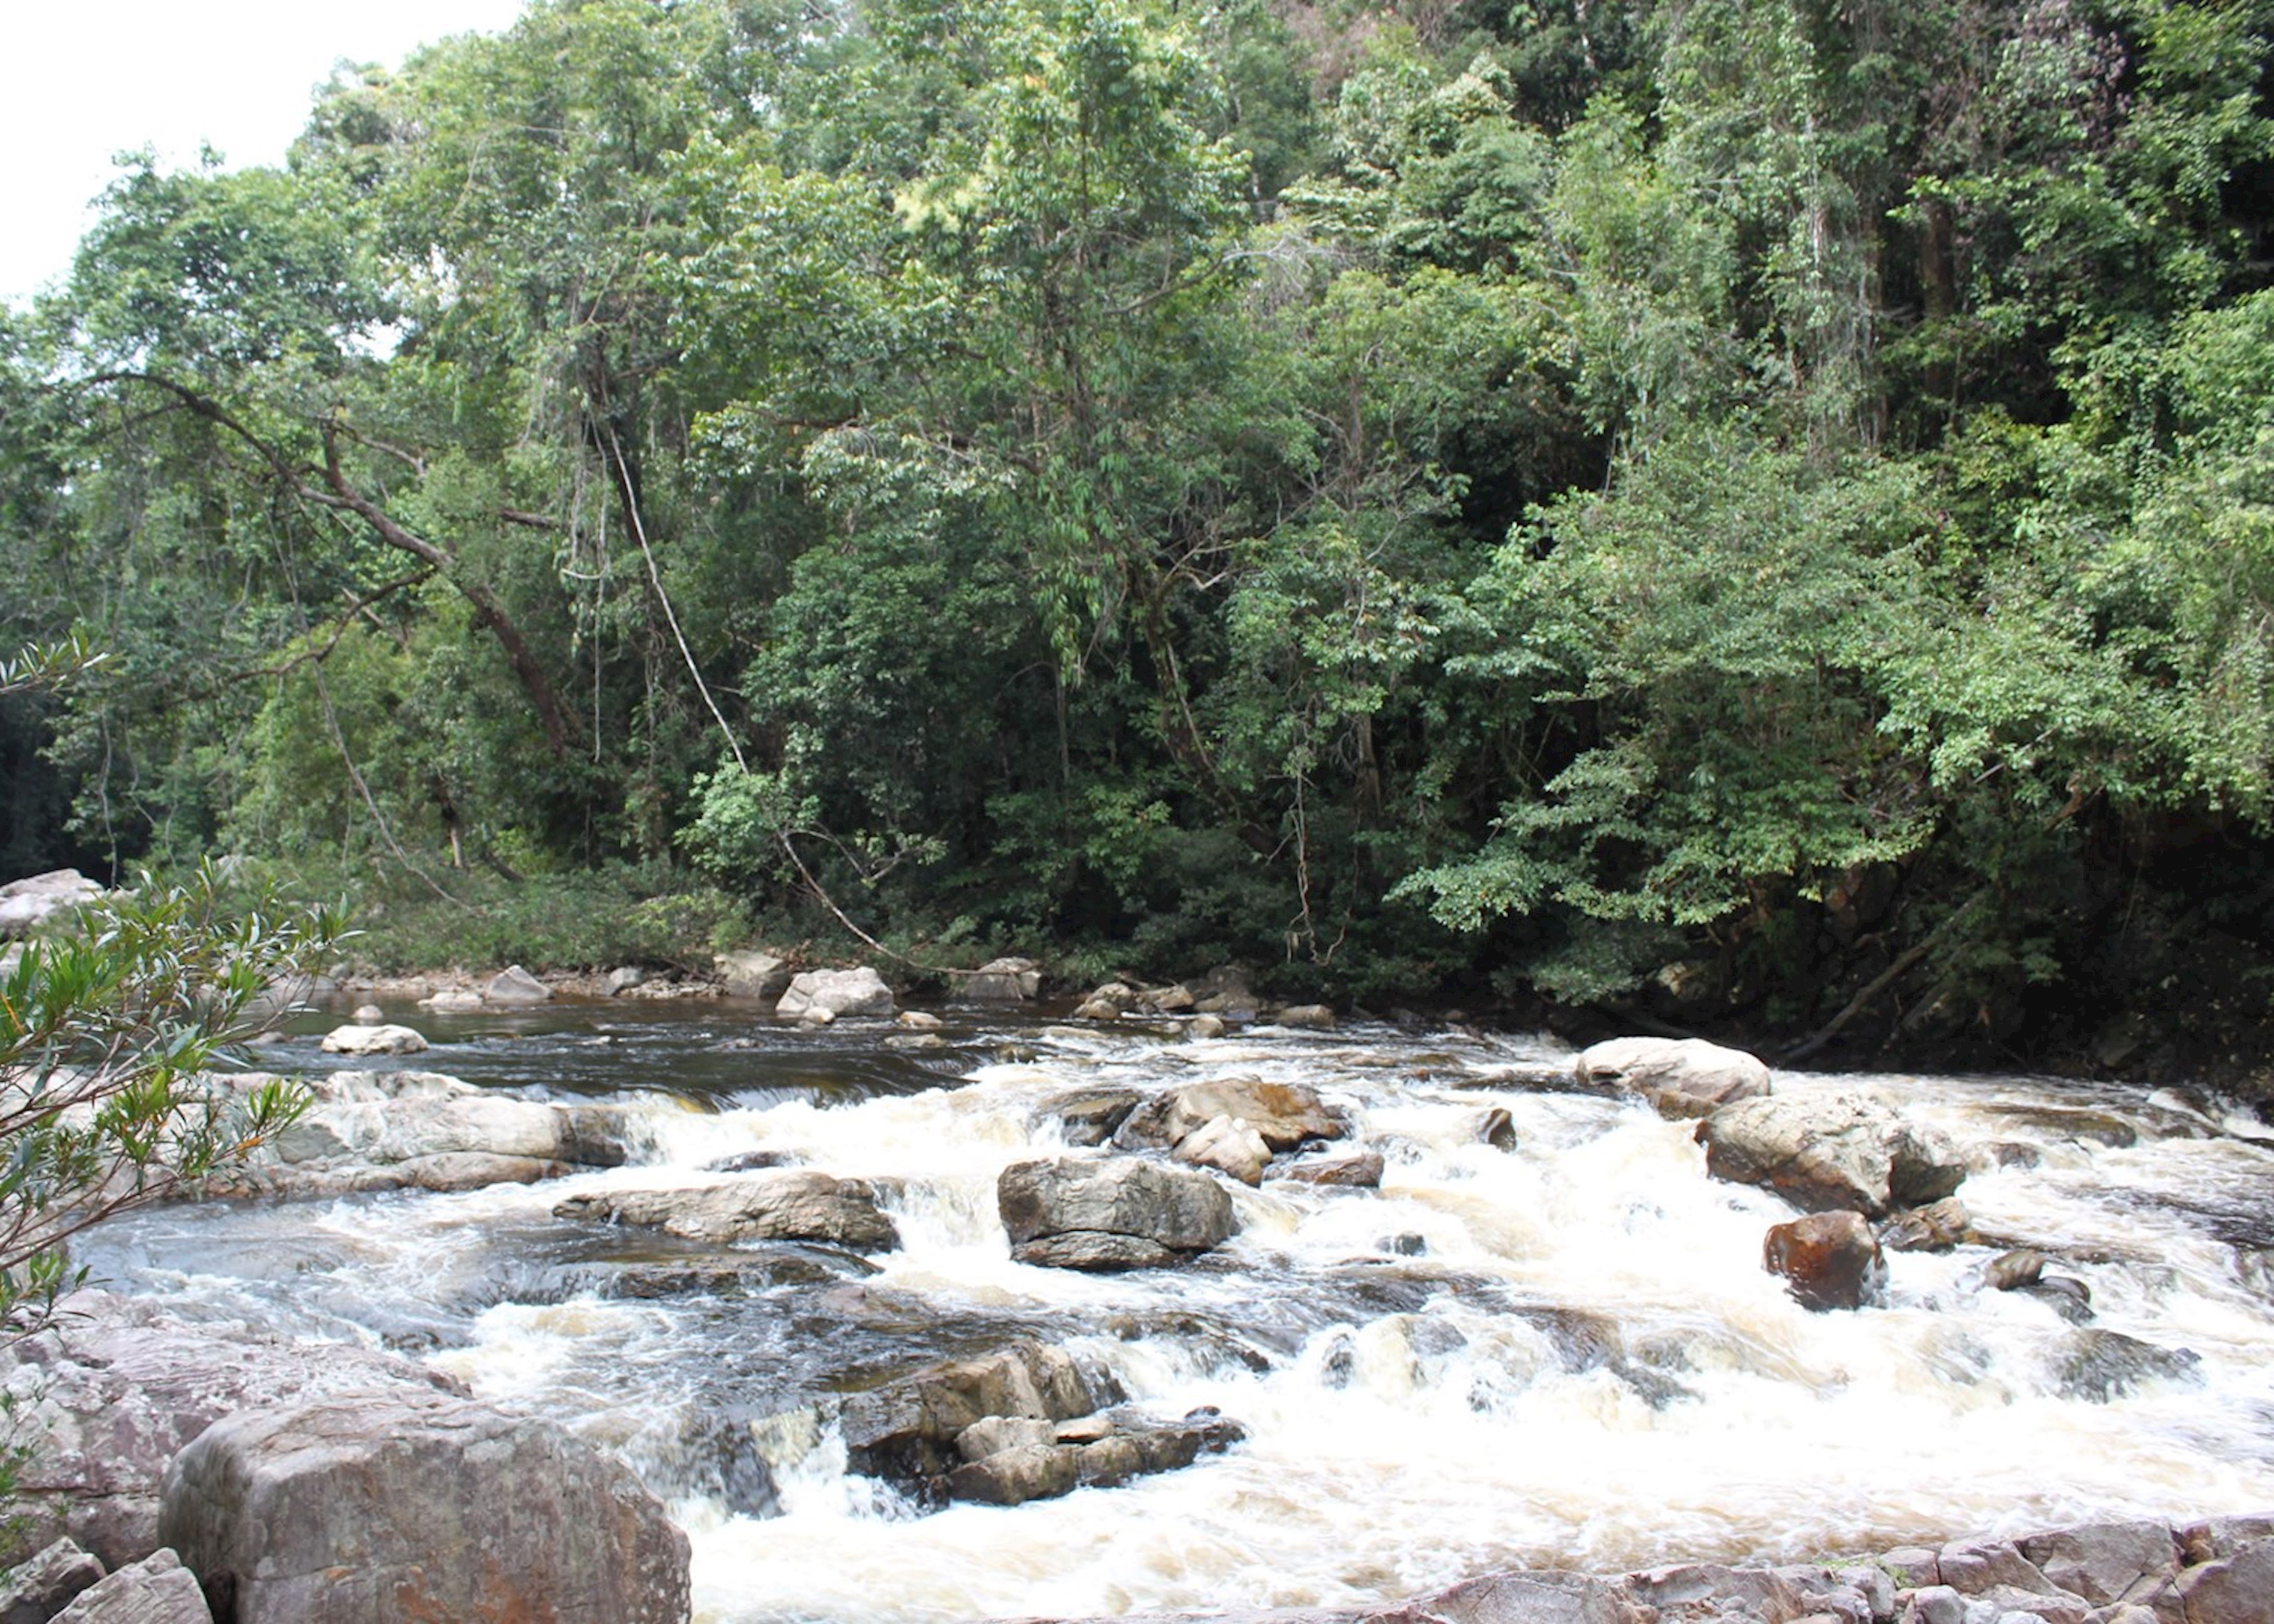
[
  {"x": 1360, "y": 1171},
  {"x": 1828, "y": 1260},
  {"x": 1937, "y": 1226}
]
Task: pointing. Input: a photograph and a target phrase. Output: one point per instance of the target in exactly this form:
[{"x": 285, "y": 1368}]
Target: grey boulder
[
  {"x": 751, "y": 973},
  {"x": 1830, "y": 1153},
  {"x": 1118, "y": 1213},
  {"x": 836, "y": 992},
  {"x": 1003, "y": 981},
  {"x": 771, "y": 1204},
  {"x": 513, "y": 984},
  {"x": 37, "y": 1589},
  {"x": 378, "y": 1508},
  {"x": 356, "y": 1039}
]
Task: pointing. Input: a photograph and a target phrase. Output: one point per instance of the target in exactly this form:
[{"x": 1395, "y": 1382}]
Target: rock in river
[
  {"x": 1823, "y": 1153},
  {"x": 1284, "y": 1114},
  {"x": 1681, "y": 1076},
  {"x": 1121, "y": 1213},
  {"x": 373, "y": 1508},
  {"x": 372, "y": 1040},
  {"x": 836, "y": 992},
  {"x": 1827, "y": 1261},
  {"x": 777, "y": 1205}
]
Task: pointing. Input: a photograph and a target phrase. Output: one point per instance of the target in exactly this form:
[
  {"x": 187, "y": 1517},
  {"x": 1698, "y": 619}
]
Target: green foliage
[
  {"x": 1518, "y": 497},
  {"x": 112, "y": 1035}
]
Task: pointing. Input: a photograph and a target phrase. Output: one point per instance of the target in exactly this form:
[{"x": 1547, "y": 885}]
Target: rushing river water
[{"x": 1564, "y": 1353}]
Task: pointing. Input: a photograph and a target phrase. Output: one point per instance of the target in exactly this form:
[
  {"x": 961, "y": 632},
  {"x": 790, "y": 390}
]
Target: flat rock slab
[
  {"x": 378, "y": 1508},
  {"x": 773, "y": 1204}
]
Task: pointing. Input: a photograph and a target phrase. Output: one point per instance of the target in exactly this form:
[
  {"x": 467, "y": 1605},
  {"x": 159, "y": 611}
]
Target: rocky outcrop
[
  {"x": 1121, "y": 1213},
  {"x": 513, "y": 986},
  {"x": 27, "y": 904},
  {"x": 1827, "y": 1261},
  {"x": 421, "y": 1131},
  {"x": 1680, "y": 1076},
  {"x": 373, "y": 1508},
  {"x": 751, "y": 973},
  {"x": 1003, "y": 981},
  {"x": 835, "y": 993},
  {"x": 372, "y": 1040},
  {"x": 113, "y": 1390},
  {"x": 771, "y": 1204},
  {"x": 1830, "y": 1153},
  {"x": 1008, "y": 1467}
]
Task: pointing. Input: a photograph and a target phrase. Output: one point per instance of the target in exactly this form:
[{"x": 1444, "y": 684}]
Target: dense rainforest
[{"x": 1758, "y": 517}]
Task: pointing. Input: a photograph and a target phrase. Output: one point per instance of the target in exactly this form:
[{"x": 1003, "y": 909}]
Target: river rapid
[{"x": 1562, "y": 1353}]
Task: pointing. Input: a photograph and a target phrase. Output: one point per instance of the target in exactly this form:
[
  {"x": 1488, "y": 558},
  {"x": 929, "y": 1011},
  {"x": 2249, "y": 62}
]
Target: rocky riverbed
[{"x": 1111, "y": 1318}]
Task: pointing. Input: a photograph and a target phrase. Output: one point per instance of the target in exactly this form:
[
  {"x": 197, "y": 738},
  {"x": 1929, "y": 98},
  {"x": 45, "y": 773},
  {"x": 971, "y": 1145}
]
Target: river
[{"x": 1561, "y": 1353}]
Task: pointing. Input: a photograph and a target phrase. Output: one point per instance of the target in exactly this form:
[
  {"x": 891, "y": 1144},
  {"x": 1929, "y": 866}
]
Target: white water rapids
[{"x": 1562, "y": 1355}]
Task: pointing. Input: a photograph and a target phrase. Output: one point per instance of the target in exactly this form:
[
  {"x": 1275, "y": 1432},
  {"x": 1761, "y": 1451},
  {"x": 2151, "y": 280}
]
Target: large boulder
[
  {"x": 157, "y": 1590},
  {"x": 771, "y": 1204},
  {"x": 1285, "y": 1114},
  {"x": 752, "y": 973},
  {"x": 1828, "y": 1152},
  {"x": 421, "y": 1131},
  {"x": 1680, "y": 1076},
  {"x": 374, "y": 1508},
  {"x": 372, "y": 1040},
  {"x": 1003, "y": 981},
  {"x": 836, "y": 992},
  {"x": 513, "y": 984},
  {"x": 1119, "y": 1213},
  {"x": 113, "y": 1390},
  {"x": 1827, "y": 1261},
  {"x": 27, "y": 904}
]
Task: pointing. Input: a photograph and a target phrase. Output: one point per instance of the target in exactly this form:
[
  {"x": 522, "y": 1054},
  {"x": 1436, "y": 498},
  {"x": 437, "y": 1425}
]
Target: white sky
[{"x": 80, "y": 81}]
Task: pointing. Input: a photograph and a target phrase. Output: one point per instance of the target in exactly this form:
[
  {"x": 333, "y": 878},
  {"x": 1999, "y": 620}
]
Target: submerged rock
[
  {"x": 1827, "y": 1261},
  {"x": 1121, "y": 1213},
  {"x": 1827, "y": 1153},
  {"x": 2101, "y": 1365},
  {"x": 1680, "y": 1076},
  {"x": 836, "y": 993},
  {"x": 373, "y": 1508},
  {"x": 777, "y": 1205}
]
